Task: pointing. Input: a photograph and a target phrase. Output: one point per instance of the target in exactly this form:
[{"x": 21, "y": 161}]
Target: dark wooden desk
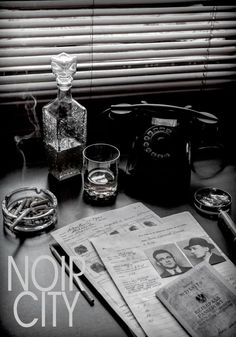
[{"x": 88, "y": 321}]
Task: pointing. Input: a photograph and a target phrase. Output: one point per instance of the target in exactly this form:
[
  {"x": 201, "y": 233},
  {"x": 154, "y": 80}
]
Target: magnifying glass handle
[{"x": 228, "y": 222}]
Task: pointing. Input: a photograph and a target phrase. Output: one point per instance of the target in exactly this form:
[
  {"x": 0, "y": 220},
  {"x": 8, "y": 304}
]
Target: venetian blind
[{"x": 126, "y": 47}]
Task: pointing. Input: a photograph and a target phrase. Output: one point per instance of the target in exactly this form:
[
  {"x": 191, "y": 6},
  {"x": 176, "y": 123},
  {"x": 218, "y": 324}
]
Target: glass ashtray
[{"x": 29, "y": 210}]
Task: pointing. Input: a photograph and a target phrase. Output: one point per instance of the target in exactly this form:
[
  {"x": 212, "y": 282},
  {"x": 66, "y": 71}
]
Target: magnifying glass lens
[{"x": 210, "y": 201}]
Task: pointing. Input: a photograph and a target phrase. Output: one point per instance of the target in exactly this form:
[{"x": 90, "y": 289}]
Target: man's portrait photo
[
  {"x": 169, "y": 261},
  {"x": 199, "y": 249}
]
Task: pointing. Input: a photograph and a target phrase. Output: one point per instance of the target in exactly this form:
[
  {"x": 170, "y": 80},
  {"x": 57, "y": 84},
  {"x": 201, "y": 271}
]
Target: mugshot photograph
[
  {"x": 167, "y": 263},
  {"x": 202, "y": 250}
]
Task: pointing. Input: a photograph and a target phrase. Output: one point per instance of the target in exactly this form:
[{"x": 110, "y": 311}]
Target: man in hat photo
[
  {"x": 201, "y": 250},
  {"x": 166, "y": 261}
]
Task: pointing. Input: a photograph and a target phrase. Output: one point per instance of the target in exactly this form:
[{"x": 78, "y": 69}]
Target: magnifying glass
[{"x": 216, "y": 203}]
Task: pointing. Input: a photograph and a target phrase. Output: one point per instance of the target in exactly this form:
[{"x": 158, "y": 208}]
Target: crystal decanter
[{"x": 64, "y": 123}]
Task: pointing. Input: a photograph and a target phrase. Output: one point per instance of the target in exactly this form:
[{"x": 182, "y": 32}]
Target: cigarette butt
[
  {"x": 20, "y": 217},
  {"x": 40, "y": 208},
  {"x": 20, "y": 207},
  {"x": 28, "y": 202},
  {"x": 10, "y": 208},
  {"x": 39, "y": 202}
]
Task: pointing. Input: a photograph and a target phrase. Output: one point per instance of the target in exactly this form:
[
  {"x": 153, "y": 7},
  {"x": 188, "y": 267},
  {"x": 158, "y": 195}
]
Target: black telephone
[{"x": 160, "y": 137}]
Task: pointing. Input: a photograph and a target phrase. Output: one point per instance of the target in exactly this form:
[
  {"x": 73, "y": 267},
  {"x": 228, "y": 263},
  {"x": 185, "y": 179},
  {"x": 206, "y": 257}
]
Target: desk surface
[{"x": 88, "y": 321}]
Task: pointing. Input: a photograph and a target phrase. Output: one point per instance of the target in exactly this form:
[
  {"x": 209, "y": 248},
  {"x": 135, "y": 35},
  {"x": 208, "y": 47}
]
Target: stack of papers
[{"x": 120, "y": 249}]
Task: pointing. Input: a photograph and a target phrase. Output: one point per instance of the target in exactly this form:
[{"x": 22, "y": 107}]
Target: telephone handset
[{"x": 161, "y": 137}]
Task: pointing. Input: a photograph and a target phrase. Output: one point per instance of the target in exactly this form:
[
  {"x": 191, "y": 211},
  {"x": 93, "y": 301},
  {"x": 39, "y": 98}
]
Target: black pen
[{"x": 75, "y": 277}]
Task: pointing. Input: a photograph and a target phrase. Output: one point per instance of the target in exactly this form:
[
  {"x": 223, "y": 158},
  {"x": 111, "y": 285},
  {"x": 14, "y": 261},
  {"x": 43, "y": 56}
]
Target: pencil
[{"x": 75, "y": 277}]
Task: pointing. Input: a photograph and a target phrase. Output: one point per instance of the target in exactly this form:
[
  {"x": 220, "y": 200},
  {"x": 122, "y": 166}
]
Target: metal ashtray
[
  {"x": 29, "y": 209},
  {"x": 211, "y": 200}
]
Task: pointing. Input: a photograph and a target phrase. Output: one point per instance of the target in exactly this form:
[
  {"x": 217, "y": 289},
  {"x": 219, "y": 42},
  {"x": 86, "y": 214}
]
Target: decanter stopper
[{"x": 64, "y": 67}]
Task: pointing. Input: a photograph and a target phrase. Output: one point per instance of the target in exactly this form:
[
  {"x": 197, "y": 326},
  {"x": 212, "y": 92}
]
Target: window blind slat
[
  {"x": 115, "y": 47},
  {"x": 109, "y": 20},
  {"x": 42, "y": 13},
  {"x": 118, "y": 80},
  {"x": 48, "y": 77},
  {"x": 8, "y": 61},
  {"x": 85, "y": 3},
  {"x": 130, "y": 89},
  {"x": 125, "y": 63},
  {"x": 111, "y": 29},
  {"x": 112, "y": 38}
]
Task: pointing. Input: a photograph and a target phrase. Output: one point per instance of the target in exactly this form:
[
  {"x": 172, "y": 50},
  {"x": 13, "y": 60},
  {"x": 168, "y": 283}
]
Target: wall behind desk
[{"x": 14, "y": 121}]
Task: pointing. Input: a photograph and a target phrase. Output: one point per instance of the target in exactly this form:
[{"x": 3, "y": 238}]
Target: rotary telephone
[{"x": 160, "y": 139}]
